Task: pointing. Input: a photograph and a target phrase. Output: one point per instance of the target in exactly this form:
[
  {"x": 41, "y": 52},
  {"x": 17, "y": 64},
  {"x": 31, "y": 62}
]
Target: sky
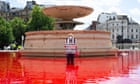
[{"x": 121, "y": 7}]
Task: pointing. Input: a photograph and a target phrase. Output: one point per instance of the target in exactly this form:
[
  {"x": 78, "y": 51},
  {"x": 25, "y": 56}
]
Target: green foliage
[
  {"x": 13, "y": 30},
  {"x": 19, "y": 28},
  {"x": 6, "y": 35},
  {"x": 119, "y": 39},
  {"x": 40, "y": 21}
]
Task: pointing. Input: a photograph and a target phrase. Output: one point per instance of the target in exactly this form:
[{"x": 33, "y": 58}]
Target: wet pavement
[{"x": 121, "y": 69}]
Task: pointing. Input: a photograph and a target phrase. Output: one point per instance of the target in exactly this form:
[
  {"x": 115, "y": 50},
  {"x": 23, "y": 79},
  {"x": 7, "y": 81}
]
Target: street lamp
[
  {"x": 107, "y": 25},
  {"x": 122, "y": 35},
  {"x": 22, "y": 38}
]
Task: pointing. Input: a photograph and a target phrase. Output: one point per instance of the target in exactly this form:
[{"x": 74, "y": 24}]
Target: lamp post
[
  {"x": 107, "y": 25},
  {"x": 22, "y": 40},
  {"x": 122, "y": 35}
]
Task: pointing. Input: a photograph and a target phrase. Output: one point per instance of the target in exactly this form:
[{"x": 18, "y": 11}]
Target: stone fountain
[
  {"x": 66, "y": 14},
  {"x": 51, "y": 43}
]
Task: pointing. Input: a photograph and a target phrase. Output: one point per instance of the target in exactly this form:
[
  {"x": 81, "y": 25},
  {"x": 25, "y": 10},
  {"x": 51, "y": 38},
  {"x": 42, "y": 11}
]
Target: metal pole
[
  {"x": 122, "y": 35},
  {"x": 107, "y": 25},
  {"x": 22, "y": 38}
]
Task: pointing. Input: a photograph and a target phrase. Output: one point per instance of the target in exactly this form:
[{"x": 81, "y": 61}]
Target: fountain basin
[{"x": 51, "y": 43}]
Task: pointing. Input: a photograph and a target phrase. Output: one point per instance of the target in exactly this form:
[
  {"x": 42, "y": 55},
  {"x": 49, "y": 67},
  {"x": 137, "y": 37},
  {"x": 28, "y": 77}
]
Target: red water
[{"x": 121, "y": 69}]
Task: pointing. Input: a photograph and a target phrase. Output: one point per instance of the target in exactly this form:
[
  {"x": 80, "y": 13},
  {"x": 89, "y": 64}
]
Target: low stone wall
[{"x": 52, "y": 42}]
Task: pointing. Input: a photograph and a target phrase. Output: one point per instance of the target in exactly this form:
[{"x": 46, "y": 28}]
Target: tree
[
  {"x": 6, "y": 35},
  {"x": 127, "y": 41},
  {"x": 119, "y": 39},
  {"x": 39, "y": 21},
  {"x": 18, "y": 28}
]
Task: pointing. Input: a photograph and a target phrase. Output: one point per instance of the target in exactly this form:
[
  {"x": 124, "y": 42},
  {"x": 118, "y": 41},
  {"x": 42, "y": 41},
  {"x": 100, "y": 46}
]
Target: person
[{"x": 70, "y": 46}]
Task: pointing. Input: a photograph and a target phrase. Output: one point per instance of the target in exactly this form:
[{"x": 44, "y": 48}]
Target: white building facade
[
  {"x": 119, "y": 25},
  {"x": 134, "y": 32}
]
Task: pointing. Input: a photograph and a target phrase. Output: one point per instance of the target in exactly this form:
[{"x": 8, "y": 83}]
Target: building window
[
  {"x": 13, "y": 13},
  {"x": 117, "y": 29},
  {"x": 107, "y": 17},
  {"x": 112, "y": 24},
  {"x": 131, "y": 30},
  {"x": 112, "y": 36},
  {"x": 136, "y": 30},
  {"x": 128, "y": 36},
  {"x": 132, "y": 36},
  {"x": 136, "y": 36},
  {"x": 112, "y": 30},
  {"x": 114, "y": 18}
]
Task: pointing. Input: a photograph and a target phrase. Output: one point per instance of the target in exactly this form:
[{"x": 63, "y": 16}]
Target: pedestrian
[{"x": 70, "y": 46}]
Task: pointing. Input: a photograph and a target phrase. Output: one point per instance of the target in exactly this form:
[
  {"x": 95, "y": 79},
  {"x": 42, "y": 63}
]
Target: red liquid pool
[{"x": 121, "y": 69}]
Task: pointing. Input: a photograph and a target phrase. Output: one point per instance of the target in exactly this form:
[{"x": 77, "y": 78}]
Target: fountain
[
  {"x": 51, "y": 43},
  {"x": 67, "y": 14}
]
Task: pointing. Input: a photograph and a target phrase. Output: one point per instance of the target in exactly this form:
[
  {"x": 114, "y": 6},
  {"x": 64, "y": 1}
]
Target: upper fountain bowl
[{"x": 67, "y": 12}]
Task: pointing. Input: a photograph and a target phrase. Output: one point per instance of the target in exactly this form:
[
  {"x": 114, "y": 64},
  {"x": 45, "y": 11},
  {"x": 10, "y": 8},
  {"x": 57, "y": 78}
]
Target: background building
[
  {"x": 9, "y": 13},
  {"x": 24, "y": 13},
  {"x": 103, "y": 17},
  {"x": 4, "y": 6},
  {"x": 118, "y": 25},
  {"x": 93, "y": 25}
]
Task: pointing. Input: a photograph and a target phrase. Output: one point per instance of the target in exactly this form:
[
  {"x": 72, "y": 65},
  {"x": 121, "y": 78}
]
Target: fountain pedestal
[{"x": 51, "y": 43}]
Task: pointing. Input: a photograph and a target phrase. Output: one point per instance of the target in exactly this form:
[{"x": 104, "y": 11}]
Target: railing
[{"x": 135, "y": 46}]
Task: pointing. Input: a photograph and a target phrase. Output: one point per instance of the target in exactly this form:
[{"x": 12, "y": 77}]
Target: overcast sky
[{"x": 121, "y": 7}]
